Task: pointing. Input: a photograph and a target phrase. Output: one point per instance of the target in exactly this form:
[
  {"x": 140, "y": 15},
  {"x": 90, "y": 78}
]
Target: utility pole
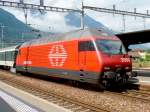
[
  {"x": 21, "y": 1},
  {"x": 124, "y": 23},
  {"x": 22, "y": 37},
  {"x": 25, "y": 15},
  {"x": 82, "y": 16},
  {"x": 144, "y": 21},
  {"x": 25, "y": 11},
  {"x": 2, "y": 35},
  {"x": 114, "y": 8},
  {"x": 135, "y": 13},
  {"x": 41, "y": 2}
]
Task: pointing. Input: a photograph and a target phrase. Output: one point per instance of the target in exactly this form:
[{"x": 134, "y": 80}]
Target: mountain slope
[
  {"x": 11, "y": 21},
  {"x": 14, "y": 30},
  {"x": 74, "y": 19}
]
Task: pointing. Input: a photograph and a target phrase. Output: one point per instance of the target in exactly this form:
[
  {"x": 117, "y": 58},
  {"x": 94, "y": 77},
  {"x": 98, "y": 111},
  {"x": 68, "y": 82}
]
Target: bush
[{"x": 147, "y": 57}]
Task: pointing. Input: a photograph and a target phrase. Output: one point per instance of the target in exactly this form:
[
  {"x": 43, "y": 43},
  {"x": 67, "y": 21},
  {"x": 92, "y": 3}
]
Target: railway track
[
  {"x": 69, "y": 103},
  {"x": 143, "y": 95}
]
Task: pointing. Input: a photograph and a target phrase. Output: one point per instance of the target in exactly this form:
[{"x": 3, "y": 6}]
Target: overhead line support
[
  {"x": 82, "y": 17},
  {"x": 37, "y": 7},
  {"x": 114, "y": 11}
]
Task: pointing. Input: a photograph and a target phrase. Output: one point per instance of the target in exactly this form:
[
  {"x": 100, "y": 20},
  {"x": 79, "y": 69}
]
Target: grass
[{"x": 141, "y": 64}]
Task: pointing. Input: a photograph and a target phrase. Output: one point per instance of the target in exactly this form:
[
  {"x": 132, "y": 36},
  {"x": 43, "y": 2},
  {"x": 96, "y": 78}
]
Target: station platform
[
  {"x": 143, "y": 78},
  {"x": 15, "y": 100},
  {"x": 4, "y": 107},
  {"x": 143, "y": 72}
]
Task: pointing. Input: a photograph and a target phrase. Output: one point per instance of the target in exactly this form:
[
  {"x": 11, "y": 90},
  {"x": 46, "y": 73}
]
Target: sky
[{"x": 52, "y": 20}]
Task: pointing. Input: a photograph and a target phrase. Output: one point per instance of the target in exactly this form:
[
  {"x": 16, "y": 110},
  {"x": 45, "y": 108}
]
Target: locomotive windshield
[{"x": 111, "y": 46}]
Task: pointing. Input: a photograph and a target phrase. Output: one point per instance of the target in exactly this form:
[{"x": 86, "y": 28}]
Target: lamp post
[
  {"x": 2, "y": 34},
  {"x": 22, "y": 37}
]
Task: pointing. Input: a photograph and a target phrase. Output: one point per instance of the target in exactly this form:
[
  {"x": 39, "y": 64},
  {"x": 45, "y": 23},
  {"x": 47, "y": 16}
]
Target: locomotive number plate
[{"x": 125, "y": 59}]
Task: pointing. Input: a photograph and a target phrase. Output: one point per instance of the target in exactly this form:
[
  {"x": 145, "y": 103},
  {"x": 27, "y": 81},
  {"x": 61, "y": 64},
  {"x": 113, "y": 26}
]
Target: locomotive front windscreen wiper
[{"x": 121, "y": 49}]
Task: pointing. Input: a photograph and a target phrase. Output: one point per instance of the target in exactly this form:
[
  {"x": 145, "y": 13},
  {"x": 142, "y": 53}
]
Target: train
[{"x": 90, "y": 55}]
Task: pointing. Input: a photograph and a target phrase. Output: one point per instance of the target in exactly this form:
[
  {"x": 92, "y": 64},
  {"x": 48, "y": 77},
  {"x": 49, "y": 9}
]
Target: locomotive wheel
[
  {"x": 105, "y": 84},
  {"x": 74, "y": 83},
  {"x": 124, "y": 80},
  {"x": 101, "y": 87}
]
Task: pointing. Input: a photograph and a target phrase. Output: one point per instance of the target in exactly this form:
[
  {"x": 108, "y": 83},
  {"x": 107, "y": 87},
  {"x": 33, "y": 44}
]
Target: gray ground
[{"x": 4, "y": 107}]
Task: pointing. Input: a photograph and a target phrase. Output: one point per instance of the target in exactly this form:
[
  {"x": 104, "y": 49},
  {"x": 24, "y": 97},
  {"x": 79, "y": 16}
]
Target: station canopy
[{"x": 137, "y": 37}]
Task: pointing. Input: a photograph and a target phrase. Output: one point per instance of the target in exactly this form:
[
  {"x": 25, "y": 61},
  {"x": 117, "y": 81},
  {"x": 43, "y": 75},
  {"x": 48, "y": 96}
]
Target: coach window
[
  {"x": 1, "y": 56},
  {"x": 86, "y": 46},
  {"x": 9, "y": 56}
]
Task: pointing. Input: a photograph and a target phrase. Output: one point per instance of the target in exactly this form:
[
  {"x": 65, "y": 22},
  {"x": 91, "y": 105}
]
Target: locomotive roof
[{"x": 82, "y": 33}]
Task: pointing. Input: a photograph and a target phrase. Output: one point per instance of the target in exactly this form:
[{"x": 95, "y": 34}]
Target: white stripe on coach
[{"x": 7, "y": 63}]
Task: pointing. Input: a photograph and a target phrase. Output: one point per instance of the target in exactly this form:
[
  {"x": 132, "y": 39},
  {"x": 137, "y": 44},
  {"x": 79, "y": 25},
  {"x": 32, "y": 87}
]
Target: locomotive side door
[
  {"x": 82, "y": 54},
  {"x": 84, "y": 48}
]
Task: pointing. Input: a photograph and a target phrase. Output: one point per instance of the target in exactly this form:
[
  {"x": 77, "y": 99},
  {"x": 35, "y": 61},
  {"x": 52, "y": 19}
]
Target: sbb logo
[
  {"x": 57, "y": 55},
  {"x": 125, "y": 59}
]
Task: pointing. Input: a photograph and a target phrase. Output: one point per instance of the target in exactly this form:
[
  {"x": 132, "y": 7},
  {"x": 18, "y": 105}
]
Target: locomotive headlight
[
  {"x": 127, "y": 68},
  {"x": 107, "y": 68}
]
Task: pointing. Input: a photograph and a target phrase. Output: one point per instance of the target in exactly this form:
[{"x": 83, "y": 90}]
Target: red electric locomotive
[{"x": 91, "y": 55}]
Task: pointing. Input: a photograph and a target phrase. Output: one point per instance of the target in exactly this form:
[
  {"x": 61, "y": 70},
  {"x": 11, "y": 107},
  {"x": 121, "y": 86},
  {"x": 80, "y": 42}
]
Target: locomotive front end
[{"x": 117, "y": 64}]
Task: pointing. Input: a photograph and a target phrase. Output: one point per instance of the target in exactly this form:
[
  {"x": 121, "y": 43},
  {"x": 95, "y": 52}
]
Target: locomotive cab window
[
  {"x": 86, "y": 46},
  {"x": 111, "y": 46}
]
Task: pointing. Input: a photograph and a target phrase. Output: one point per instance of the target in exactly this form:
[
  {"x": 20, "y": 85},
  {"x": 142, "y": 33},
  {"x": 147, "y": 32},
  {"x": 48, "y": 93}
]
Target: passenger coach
[{"x": 8, "y": 57}]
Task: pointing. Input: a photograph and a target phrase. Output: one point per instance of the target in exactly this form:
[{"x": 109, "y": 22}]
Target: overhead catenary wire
[
  {"x": 41, "y": 6},
  {"x": 36, "y": 7},
  {"x": 120, "y": 12}
]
